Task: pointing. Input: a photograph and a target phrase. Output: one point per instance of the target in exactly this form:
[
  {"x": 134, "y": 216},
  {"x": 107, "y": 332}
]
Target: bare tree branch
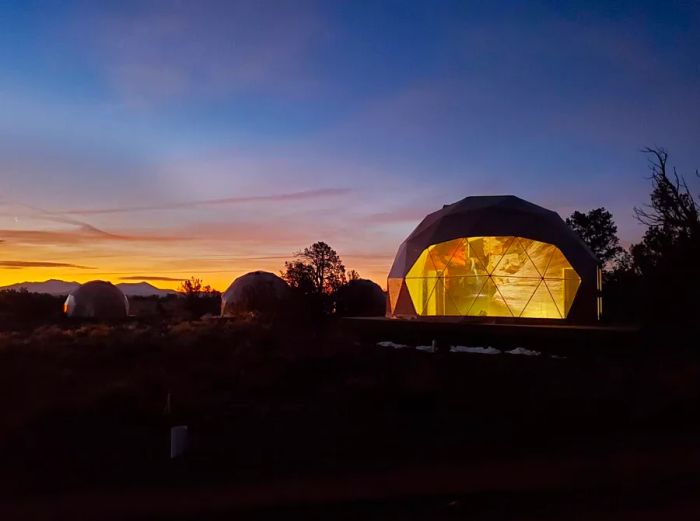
[{"x": 673, "y": 206}]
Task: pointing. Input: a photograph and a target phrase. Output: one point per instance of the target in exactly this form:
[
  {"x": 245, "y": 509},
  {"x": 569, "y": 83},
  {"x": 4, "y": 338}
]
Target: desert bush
[{"x": 20, "y": 307}]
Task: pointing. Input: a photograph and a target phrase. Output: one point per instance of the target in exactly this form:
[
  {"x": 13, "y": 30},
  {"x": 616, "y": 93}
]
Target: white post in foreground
[{"x": 178, "y": 441}]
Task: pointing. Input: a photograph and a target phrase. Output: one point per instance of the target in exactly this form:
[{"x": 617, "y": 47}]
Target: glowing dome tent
[
  {"x": 97, "y": 299},
  {"x": 494, "y": 256},
  {"x": 257, "y": 291}
]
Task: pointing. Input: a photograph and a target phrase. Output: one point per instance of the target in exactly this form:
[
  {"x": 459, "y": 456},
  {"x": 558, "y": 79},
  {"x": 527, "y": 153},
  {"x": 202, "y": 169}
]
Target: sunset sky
[{"x": 158, "y": 140}]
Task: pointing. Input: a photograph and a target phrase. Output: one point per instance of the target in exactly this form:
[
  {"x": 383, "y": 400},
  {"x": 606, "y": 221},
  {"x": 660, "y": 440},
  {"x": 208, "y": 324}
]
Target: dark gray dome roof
[
  {"x": 360, "y": 297},
  {"x": 497, "y": 215}
]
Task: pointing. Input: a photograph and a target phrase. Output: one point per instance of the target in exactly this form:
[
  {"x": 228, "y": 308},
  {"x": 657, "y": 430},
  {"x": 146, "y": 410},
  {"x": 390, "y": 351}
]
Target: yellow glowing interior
[{"x": 492, "y": 276}]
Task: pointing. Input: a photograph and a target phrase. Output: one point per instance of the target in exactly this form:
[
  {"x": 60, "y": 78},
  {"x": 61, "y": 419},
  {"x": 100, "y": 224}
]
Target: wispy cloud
[
  {"x": 79, "y": 232},
  {"x": 399, "y": 215},
  {"x": 79, "y": 235},
  {"x": 292, "y": 196},
  {"x": 14, "y": 264},
  {"x": 152, "y": 277}
]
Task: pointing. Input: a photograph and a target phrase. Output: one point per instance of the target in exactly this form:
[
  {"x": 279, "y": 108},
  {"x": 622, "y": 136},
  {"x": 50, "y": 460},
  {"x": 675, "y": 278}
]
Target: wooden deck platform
[{"x": 493, "y": 333}]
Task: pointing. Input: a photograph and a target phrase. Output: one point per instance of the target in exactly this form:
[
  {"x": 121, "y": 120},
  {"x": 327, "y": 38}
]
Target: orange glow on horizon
[
  {"x": 164, "y": 255},
  {"x": 219, "y": 280}
]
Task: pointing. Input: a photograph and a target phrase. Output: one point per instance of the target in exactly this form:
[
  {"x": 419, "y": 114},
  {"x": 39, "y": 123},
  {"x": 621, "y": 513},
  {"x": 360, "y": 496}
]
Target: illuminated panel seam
[{"x": 500, "y": 276}]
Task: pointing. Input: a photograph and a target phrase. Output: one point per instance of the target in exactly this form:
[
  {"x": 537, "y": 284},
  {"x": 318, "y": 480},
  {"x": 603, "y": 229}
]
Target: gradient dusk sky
[{"x": 158, "y": 140}]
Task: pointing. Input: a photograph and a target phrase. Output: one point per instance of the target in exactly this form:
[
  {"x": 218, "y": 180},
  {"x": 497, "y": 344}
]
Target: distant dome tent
[
  {"x": 360, "y": 298},
  {"x": 258, "y": 292},
  {"x": 97, "y": 299},
  {"x": 494, "y": 256}
]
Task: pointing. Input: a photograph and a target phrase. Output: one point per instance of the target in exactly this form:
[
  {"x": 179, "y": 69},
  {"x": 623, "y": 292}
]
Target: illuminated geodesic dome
[
  {"x": 494, "y": 256},
  {"x": 257, "y": 291},
  {"x": 97, "y": 299},
  {"x": 360, "y": 298}
]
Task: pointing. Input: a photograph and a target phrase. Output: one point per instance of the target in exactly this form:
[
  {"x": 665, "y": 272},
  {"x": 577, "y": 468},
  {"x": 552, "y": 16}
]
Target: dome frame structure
[
  {"x": 360, "y": 298},
  {"x": 498, "y": 258},
  {"x": 255, "y": 291},
  {"x": 97, "y": 299}
]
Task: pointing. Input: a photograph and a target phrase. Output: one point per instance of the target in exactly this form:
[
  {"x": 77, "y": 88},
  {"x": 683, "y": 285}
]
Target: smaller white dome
[
  {"x": 97, "y": 299},
  {"x": 258, "y": 291}
]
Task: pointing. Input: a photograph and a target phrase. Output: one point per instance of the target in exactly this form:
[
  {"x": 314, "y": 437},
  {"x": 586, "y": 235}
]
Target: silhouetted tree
[
  {"x": 665, "y": 261},
  {"x": 317, "y": 269},
  {"x": 353, "y": 275},
  {"x": 299, "y": 276},
  {"x": 672, "y": 208},
  {"x": 199, "y": 299},
  {"x": 315, "y": 274},
  {"x": 598, "y": 230},
  {"x": 194, "y": 287}
]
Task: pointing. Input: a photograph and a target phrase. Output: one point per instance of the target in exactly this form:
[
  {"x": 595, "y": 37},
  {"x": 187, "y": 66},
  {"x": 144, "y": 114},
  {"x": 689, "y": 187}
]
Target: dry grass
[{"x": 87, "y": 400}]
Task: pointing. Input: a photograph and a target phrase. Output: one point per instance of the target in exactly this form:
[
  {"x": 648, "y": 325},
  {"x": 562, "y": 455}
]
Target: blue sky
[{"x": 343, "y": 121}]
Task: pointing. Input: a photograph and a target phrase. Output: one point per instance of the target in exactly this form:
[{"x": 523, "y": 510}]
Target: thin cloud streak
[
  {"x": 82, "y": 228},
  {"x": 79, "y": 236},
  {"x": 400, "y": 215},
  {"x": 40, "y": 264},
  {"x": 156, "y": 277},
  {"x": 292, "y": 196}
]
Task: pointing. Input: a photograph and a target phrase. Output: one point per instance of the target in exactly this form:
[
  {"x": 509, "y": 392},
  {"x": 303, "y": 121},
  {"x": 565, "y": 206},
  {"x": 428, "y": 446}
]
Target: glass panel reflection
[
  {"x": 489, "y": 302},
  {"x": 517, "y": 292},
  {"x": 490, "y": 276},
  {"x": 541, "y": 304}
]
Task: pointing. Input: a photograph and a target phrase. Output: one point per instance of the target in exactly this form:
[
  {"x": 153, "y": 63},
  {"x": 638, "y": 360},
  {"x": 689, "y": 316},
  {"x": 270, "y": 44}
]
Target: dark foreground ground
[{"x": 321, "y": 423}]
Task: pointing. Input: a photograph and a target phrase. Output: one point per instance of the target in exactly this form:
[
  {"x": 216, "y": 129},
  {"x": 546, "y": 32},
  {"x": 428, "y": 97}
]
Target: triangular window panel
[
  {"x": 430, "y": 302},
  {"x": 423, "y": 267},
  {"x": 443, "y": 253},
  {"x": 394, "y": 288},
  {"x": 540, "y": 254},
  {"x": 525, "y": 243},
  {"x": 460, "y": 264},
  {"x": 404, "y": 304},
  {"x": 462, "y": 291},
  {"x": 451, "y": 307},
  {"x": 564, "y": 290},
  {"x": 571, "y": 284},
  {"x": 516, "y": 263},
  {"x": 424, "y": 296},
  {"x": 438, "y": 301},
  {"x": 555, "y": 287},
  {"x": 475, "y": 256},
  {"x": 518, "y": 292},
  {"x": 501, "y": 299},
  {"x": 495, "y": 249},
  {"x": 489, "y": 302},
  {"x": 421, "y": 289},
  {"x": 466, "y": 261},
  {"x": 556, "y": 266},
  {"x": 541, "y": 304}
]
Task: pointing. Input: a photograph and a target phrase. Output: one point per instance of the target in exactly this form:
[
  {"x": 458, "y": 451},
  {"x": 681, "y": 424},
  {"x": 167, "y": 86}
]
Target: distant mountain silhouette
[
  {"x": 62, "y": 287},
  {"x": 52, "y": 287},
  {"x": 143, "y": 289}
]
